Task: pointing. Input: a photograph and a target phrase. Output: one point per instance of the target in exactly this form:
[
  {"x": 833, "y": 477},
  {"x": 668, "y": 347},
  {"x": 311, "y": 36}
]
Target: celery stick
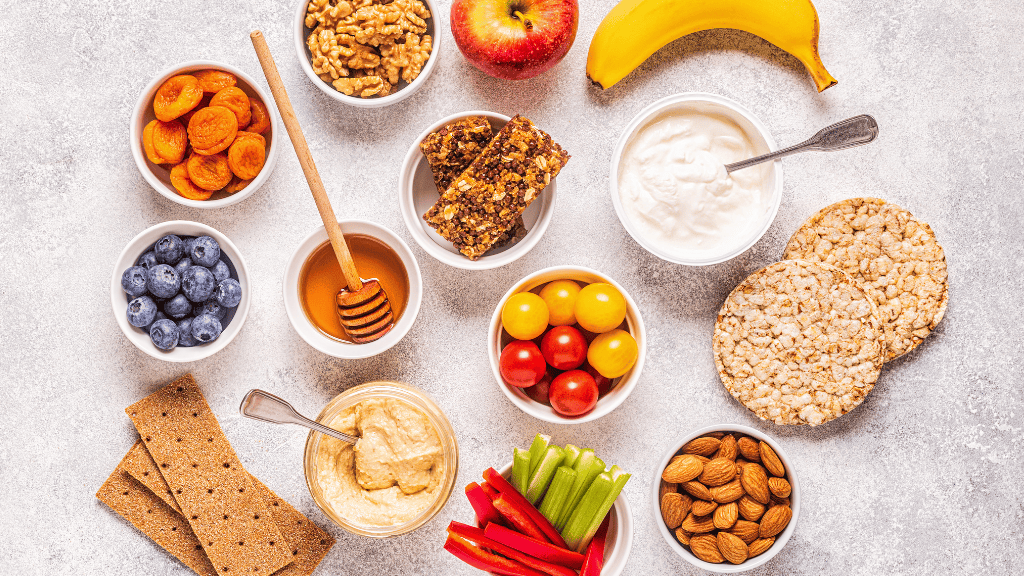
[
  {"x": 520, "y": 470},
  {"x": 584, "y": 514},
  {"x": 587, "y": 468},
  {"x": 558, "y": 492},
  {"x": 537, "y": 450},
  {"x": 545, "y": 471},
  {"x": 620, "y": 478},
  {"x": 572, "y": 454}
]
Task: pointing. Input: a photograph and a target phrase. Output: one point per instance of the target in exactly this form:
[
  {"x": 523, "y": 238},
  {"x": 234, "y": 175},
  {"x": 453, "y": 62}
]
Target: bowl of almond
[{"x": 726, "y": 498}]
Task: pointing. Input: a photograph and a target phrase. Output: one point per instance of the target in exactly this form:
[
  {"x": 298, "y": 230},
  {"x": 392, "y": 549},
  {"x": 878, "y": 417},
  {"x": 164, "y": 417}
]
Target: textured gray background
[{"x": 923, "y": 478}]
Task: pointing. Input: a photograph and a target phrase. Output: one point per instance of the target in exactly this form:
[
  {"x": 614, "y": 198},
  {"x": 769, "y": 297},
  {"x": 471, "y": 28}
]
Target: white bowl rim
[
  {"x": 780, "y": 540},
  {"x": 402, "y": 94},
  {"x": 546, "y": 413},
  {"x": 135, "y": 133},
  {"x": 310, "y": 333},
  {"x": 661, "y": 106},
  {"x": 413, "y": 220},
  {"x": 140, "y": 339}
]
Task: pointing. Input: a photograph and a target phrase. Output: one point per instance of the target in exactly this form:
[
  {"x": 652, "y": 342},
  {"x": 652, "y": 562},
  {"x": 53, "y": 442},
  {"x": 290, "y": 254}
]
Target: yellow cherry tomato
[
  {"x": 600, "y": 307},
  {"x": 613, "y": 353},
  {"x": 560, "y": 296},
  {"x": 525, "y": 316}
]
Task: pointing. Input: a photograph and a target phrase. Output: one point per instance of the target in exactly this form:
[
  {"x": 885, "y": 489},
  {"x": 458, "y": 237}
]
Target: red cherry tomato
[
  {"x": 521, "y": 364},
  {"x": 573, "y": 393},
  {"x": 604, "y": 385},
  {"x": 539, "y": 391},
  {"x": 564, "y": 348}
]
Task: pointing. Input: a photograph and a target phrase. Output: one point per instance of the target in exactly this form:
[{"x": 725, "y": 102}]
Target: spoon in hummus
[
  {"x": 851, "y": 132},
  {"x": 260, "y": 405}
]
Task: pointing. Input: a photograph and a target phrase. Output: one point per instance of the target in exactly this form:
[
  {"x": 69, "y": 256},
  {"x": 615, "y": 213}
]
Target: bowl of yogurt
[{"x": 670, "y": 188}]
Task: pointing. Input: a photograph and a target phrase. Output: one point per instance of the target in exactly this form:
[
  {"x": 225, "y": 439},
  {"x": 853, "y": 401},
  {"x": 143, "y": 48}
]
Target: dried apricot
[
  {"x": 147, "y": 143},
  {"x": 170, "y": 140},
  {"x": 176, "y": 96},
  {"x": 188, "y": 115},
  {"x": 260, "y": 116},
  {"x": 184, "y": 186},
  {"x": 209, "y": 172},
  {"x": 247, "y": 154},
  {"x": 235, "y": 100},
  {"x": 215, "y": 80},
  {"x": 236, "y": 185},
  {"x": 212, "y": 129}
]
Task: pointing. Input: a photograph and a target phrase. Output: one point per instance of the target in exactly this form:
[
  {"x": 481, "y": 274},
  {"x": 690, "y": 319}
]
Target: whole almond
[
  {"x": 726, "y": 515},
  {"x": 749, "y": 449},
  {"x": 728, "y": 448},
  {"x": 732, "y": 548},
  {"x": 730, "y": 492},
  {"x": 750, "y": 509},
  {"x": 674, "y": 507},
  {"x": 771, "y": 460},
  {"x": 683, "y": 536},
  {"x": 682, "y": 469},
  {"x": 703, "y": 507},
  {"x": 776, "y": 501},
  {"x": 667, "y": 487},
  {"x": 755, "y": 482},
  {"x": 705, "y": 547},
  {"x": 775, "y": 520},
  {"x": 715, "y": 434},
  {"x": 698, "y": 491},
  {"x": 780, "y": 487},
  {"x": 759, "y": 546},
  {"x": 698, "y": 524},
  {"x": 717, "y": 472},
  {"x": 703, "y": 459},
  {"x": 704, "y": 446},
  {"x": 746, "y": 531}
]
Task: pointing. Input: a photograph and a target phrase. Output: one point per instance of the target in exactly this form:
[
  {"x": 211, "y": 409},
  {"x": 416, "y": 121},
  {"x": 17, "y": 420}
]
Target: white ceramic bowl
[
  {"x": 159, "y": 176},
  {"x": 780, "y": 540},
  {"x": 498, "y": 339},
  {"x": 619, "y": 540},
  {"x": 317, "y": 339},
  {"x": 417, "y": 192},
  {"x": 119, "y": 300},
  {"x": 402, "y": 90},
  {"x": 701, "y": 102}
]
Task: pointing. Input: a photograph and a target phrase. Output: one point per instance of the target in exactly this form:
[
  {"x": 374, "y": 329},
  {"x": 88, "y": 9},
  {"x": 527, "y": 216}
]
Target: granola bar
[{"x": 484, "y": 202}]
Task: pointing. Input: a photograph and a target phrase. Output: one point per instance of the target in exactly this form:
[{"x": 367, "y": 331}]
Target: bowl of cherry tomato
[{"x": 567, "y": 344}]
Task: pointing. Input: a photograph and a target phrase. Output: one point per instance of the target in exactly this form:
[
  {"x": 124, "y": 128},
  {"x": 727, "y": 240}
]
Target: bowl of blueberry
[{"x": 180, "y": 291}]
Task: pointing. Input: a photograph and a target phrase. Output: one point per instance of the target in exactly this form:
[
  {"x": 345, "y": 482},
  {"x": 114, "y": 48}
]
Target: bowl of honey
[{"x": 313, "y": 279}]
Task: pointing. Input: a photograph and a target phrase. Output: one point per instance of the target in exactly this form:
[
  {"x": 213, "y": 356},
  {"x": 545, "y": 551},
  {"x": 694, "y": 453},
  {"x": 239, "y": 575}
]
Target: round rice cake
[
  {"x": 895, "y": 258},
  {"x": 798, "y": 342}
]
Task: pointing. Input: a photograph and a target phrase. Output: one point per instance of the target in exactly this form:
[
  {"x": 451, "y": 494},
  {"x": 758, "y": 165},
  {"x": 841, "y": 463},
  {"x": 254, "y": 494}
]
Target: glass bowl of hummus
[{"x": 401, "y": 472}]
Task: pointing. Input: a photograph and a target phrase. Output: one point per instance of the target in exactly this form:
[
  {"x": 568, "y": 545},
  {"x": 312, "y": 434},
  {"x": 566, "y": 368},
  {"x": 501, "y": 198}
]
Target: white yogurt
[{"x": 677, "y": 194}]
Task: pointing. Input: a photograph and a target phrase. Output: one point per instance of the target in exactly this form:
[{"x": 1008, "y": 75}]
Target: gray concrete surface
[{"x": 923, "y": 478}]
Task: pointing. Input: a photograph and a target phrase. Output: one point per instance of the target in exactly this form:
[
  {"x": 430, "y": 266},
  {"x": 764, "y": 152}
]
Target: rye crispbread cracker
[
  {"x": 895, "y": 258},
  {"x": 233, "y": 524},
  {"x": 798, "y": 343},
  {"x": 306, "y": 541}
]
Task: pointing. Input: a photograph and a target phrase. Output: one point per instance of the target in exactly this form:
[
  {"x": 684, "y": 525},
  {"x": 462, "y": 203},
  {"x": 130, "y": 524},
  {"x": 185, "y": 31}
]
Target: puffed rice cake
[
  {"x": 798, "y": 343},
  {"x": 895, "y": 258}
]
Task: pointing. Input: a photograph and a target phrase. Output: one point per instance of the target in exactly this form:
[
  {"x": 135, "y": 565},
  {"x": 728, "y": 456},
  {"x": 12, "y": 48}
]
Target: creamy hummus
[{"x": 392, "y": 474}]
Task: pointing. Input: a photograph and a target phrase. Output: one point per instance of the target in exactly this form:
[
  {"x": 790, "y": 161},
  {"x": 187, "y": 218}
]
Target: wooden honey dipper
[{"x": 363, "y": 306}]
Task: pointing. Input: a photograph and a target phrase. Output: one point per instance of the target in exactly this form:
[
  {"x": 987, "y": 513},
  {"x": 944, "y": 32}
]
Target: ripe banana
[{"x": 635, "y": 29}]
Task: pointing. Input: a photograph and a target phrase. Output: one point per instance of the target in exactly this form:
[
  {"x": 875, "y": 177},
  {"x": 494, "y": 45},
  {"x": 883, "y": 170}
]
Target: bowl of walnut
[
  {"x": 367, "y": 53},
  {"x": 726, "y": 498}
]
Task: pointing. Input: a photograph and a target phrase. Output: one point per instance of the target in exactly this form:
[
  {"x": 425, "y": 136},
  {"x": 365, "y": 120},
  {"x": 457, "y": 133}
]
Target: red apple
[{"x": 514, "y": 39}]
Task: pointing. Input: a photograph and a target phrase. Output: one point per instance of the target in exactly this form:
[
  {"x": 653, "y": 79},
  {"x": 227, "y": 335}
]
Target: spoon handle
[
  {"x": 851, "y": 132},
  {"x": 260, "y": 405}
]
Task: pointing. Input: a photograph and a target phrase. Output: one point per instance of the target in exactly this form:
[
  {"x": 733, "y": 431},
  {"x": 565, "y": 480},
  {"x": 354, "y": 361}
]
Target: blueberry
[
  {"x": 205, "y": 328},
  {"x": 185, "y": 339},
  {"x": 221, "y": 271},
  {"x": 164, "y": 334},
  {"x": 169, "y": 249},
  {"x": 182, "y": 265},
  {"x": 159, "y": 316},
  {"x": 141, "y": 311},
  {"x": 205, "y": 252},
  {"x": 178, "y": 307},
  {"x": 198, "y": 284},
  {"x": 229, "y": 293},
  {"x": 147, "y": 260},
  {"x": 212, "y": 308},
  {"x": 133, "y": 281},
  {"x": 163, "y": 281}
]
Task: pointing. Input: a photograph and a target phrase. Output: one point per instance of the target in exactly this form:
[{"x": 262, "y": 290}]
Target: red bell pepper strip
[
  {"x": 517, "y": 519},
  {"x": 484, "y": 560},
  {"x": 501, "y": 485},
  {"x": 485, "y": 511},
  {"x": 593, "y": 562},
  {"x": 489, "y": 490},
  {"x": 476, "y": 536},
  {"x": 534, "y": 547}
]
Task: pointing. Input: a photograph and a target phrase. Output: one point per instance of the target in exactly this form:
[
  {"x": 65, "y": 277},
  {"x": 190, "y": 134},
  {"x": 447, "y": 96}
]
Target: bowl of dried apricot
[
  {"x": 203, "y": 134},
  {"x": 726, "y": 498}
]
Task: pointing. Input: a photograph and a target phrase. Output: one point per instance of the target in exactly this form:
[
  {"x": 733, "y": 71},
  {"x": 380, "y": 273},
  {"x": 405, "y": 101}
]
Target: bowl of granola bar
[
  {"x": 477, "y": 189},
  {"x": 367, "y": 53}
]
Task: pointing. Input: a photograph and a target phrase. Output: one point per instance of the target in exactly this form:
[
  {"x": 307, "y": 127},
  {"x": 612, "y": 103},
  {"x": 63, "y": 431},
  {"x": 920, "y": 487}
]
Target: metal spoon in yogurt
[
  {"x": 851, "y": 132},
  {"x": 260, "y": 405}
]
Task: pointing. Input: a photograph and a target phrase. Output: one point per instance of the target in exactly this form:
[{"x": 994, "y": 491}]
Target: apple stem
[{"x": 526, "y": 21}]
